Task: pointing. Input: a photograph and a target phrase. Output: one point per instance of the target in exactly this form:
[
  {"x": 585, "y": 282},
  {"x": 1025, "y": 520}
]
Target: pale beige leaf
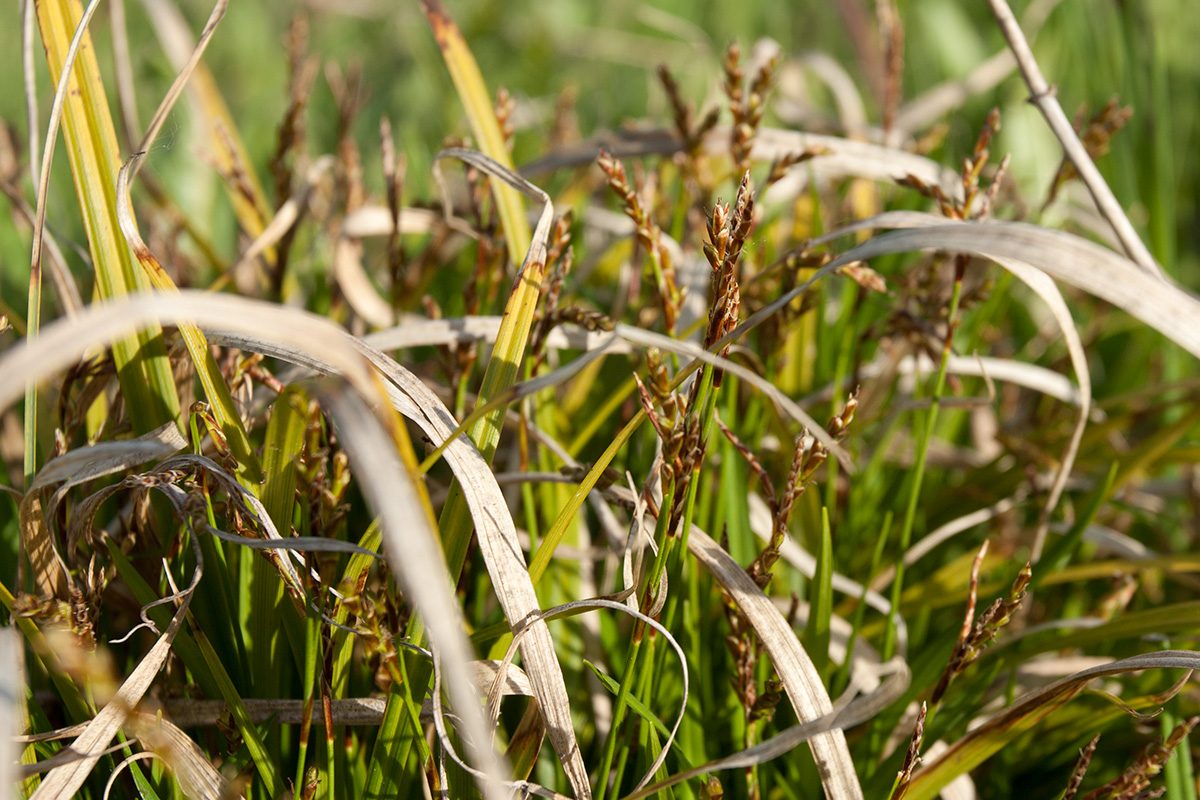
[
  {"x": 414, "y": 331},
  {"x": 64, "y": 781},
  {"x": 12, "y": 694},
  {"x": 412, "y": 541},
  {"x": 800, "y": 678},
  {"x": 197, "y": 777},
  {"x": 92, "y": 461},
  {"x": 494, "y": 527},
  {"x": 1030, "y": 264}
]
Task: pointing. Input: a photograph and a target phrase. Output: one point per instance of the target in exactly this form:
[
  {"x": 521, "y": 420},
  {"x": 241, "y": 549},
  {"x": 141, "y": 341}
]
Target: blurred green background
[{"x": 1143, "y": 53}]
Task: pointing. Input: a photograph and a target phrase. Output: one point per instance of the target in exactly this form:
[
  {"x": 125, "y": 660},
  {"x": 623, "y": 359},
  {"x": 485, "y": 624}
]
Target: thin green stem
[{"x": 918, "y": 472}]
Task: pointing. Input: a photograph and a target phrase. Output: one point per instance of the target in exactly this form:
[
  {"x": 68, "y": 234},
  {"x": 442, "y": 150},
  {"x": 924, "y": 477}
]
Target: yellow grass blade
[
  {"x": 215, "y": 388},
  {"x": 468, "y": 82},
  {"x": 91, "y": 144}
]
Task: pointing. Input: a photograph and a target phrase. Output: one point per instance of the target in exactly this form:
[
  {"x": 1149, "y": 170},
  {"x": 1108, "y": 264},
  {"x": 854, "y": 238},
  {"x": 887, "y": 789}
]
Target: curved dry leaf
[
  {"x": 645, "y": 338},
  {"x": 197, "y": 777},
  {"x": 494, "y": 526},
  {"x": 998, "y": 245},
  {"x": 64, "y": 781},
  {"x": 56, "y": 110},
  {"x": 351, "y": 277},
  {"x": 12, "y": 687},
  {"x": 414, "y": 331},
  {"x": 1109, "y": 276},
  {"x": 92, "y": 461},
  {"x": 580, "y": 606},
  {"x": 984, "y": 740},
  {"x": 376, "y": 220},
  {"x": 62, "y": 343},
  {"x": 800, "y": 678},
  {"x": 506, "y": 565},
  {"x": 481, "y": 162},
  {"x": 411, "y": 538},
  {"x": 75, "y": 467}
]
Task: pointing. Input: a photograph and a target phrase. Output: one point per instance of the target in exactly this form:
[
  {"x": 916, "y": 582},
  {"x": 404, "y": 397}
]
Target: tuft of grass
[{"x": 351, "y": 481}]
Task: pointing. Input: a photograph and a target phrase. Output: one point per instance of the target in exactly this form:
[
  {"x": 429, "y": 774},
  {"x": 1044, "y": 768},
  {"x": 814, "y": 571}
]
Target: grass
[{"x": 803, "y": 443}]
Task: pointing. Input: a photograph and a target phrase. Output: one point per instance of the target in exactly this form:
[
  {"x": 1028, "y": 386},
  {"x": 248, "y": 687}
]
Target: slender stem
[
  {"x": 918, "y": 473},
  {"x": 631, "y": 661},
  {"x": 1043, "y": 96}
]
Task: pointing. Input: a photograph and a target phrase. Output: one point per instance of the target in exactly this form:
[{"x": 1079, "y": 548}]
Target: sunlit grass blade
[
  {"x": 91, "y": 145},
  {"x": 477, "y": 102},
  {"x": 198, "y": 655},
  {"x": 281, "y": 451},
  {"x": 1024, "y": 715},
  {"x": 817, "y": 632}
]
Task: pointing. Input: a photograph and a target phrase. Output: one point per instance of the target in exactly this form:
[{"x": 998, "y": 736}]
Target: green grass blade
[
  {"x": 91, "y": 143},
  {"x": 817, "y": 632},
  {"x": 282, "y": 447}
]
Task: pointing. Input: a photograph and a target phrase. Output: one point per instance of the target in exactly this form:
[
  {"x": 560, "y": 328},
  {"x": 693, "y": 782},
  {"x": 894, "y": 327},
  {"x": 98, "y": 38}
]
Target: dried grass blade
[
  {"x": 93, "y": 461},
  {"x": 1160, "y": 304},
  {"x": 286, "y": 217},
  {"x": 391, "y": 487},
  {"x": 12, "y": 690},
  {"x": 982, "y": 742},
  {"x": 197, "y": 776},
  {"x": 72, "y": 468},
  {"x": 473, "y": 92},
  {"x": 800, "y": 678},
  {"x": 64, "y": 781},
  {"x": 91, "y": 144},
  {"x": 215, "y": 388},
  {"x": 1033, "y": 276}
]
